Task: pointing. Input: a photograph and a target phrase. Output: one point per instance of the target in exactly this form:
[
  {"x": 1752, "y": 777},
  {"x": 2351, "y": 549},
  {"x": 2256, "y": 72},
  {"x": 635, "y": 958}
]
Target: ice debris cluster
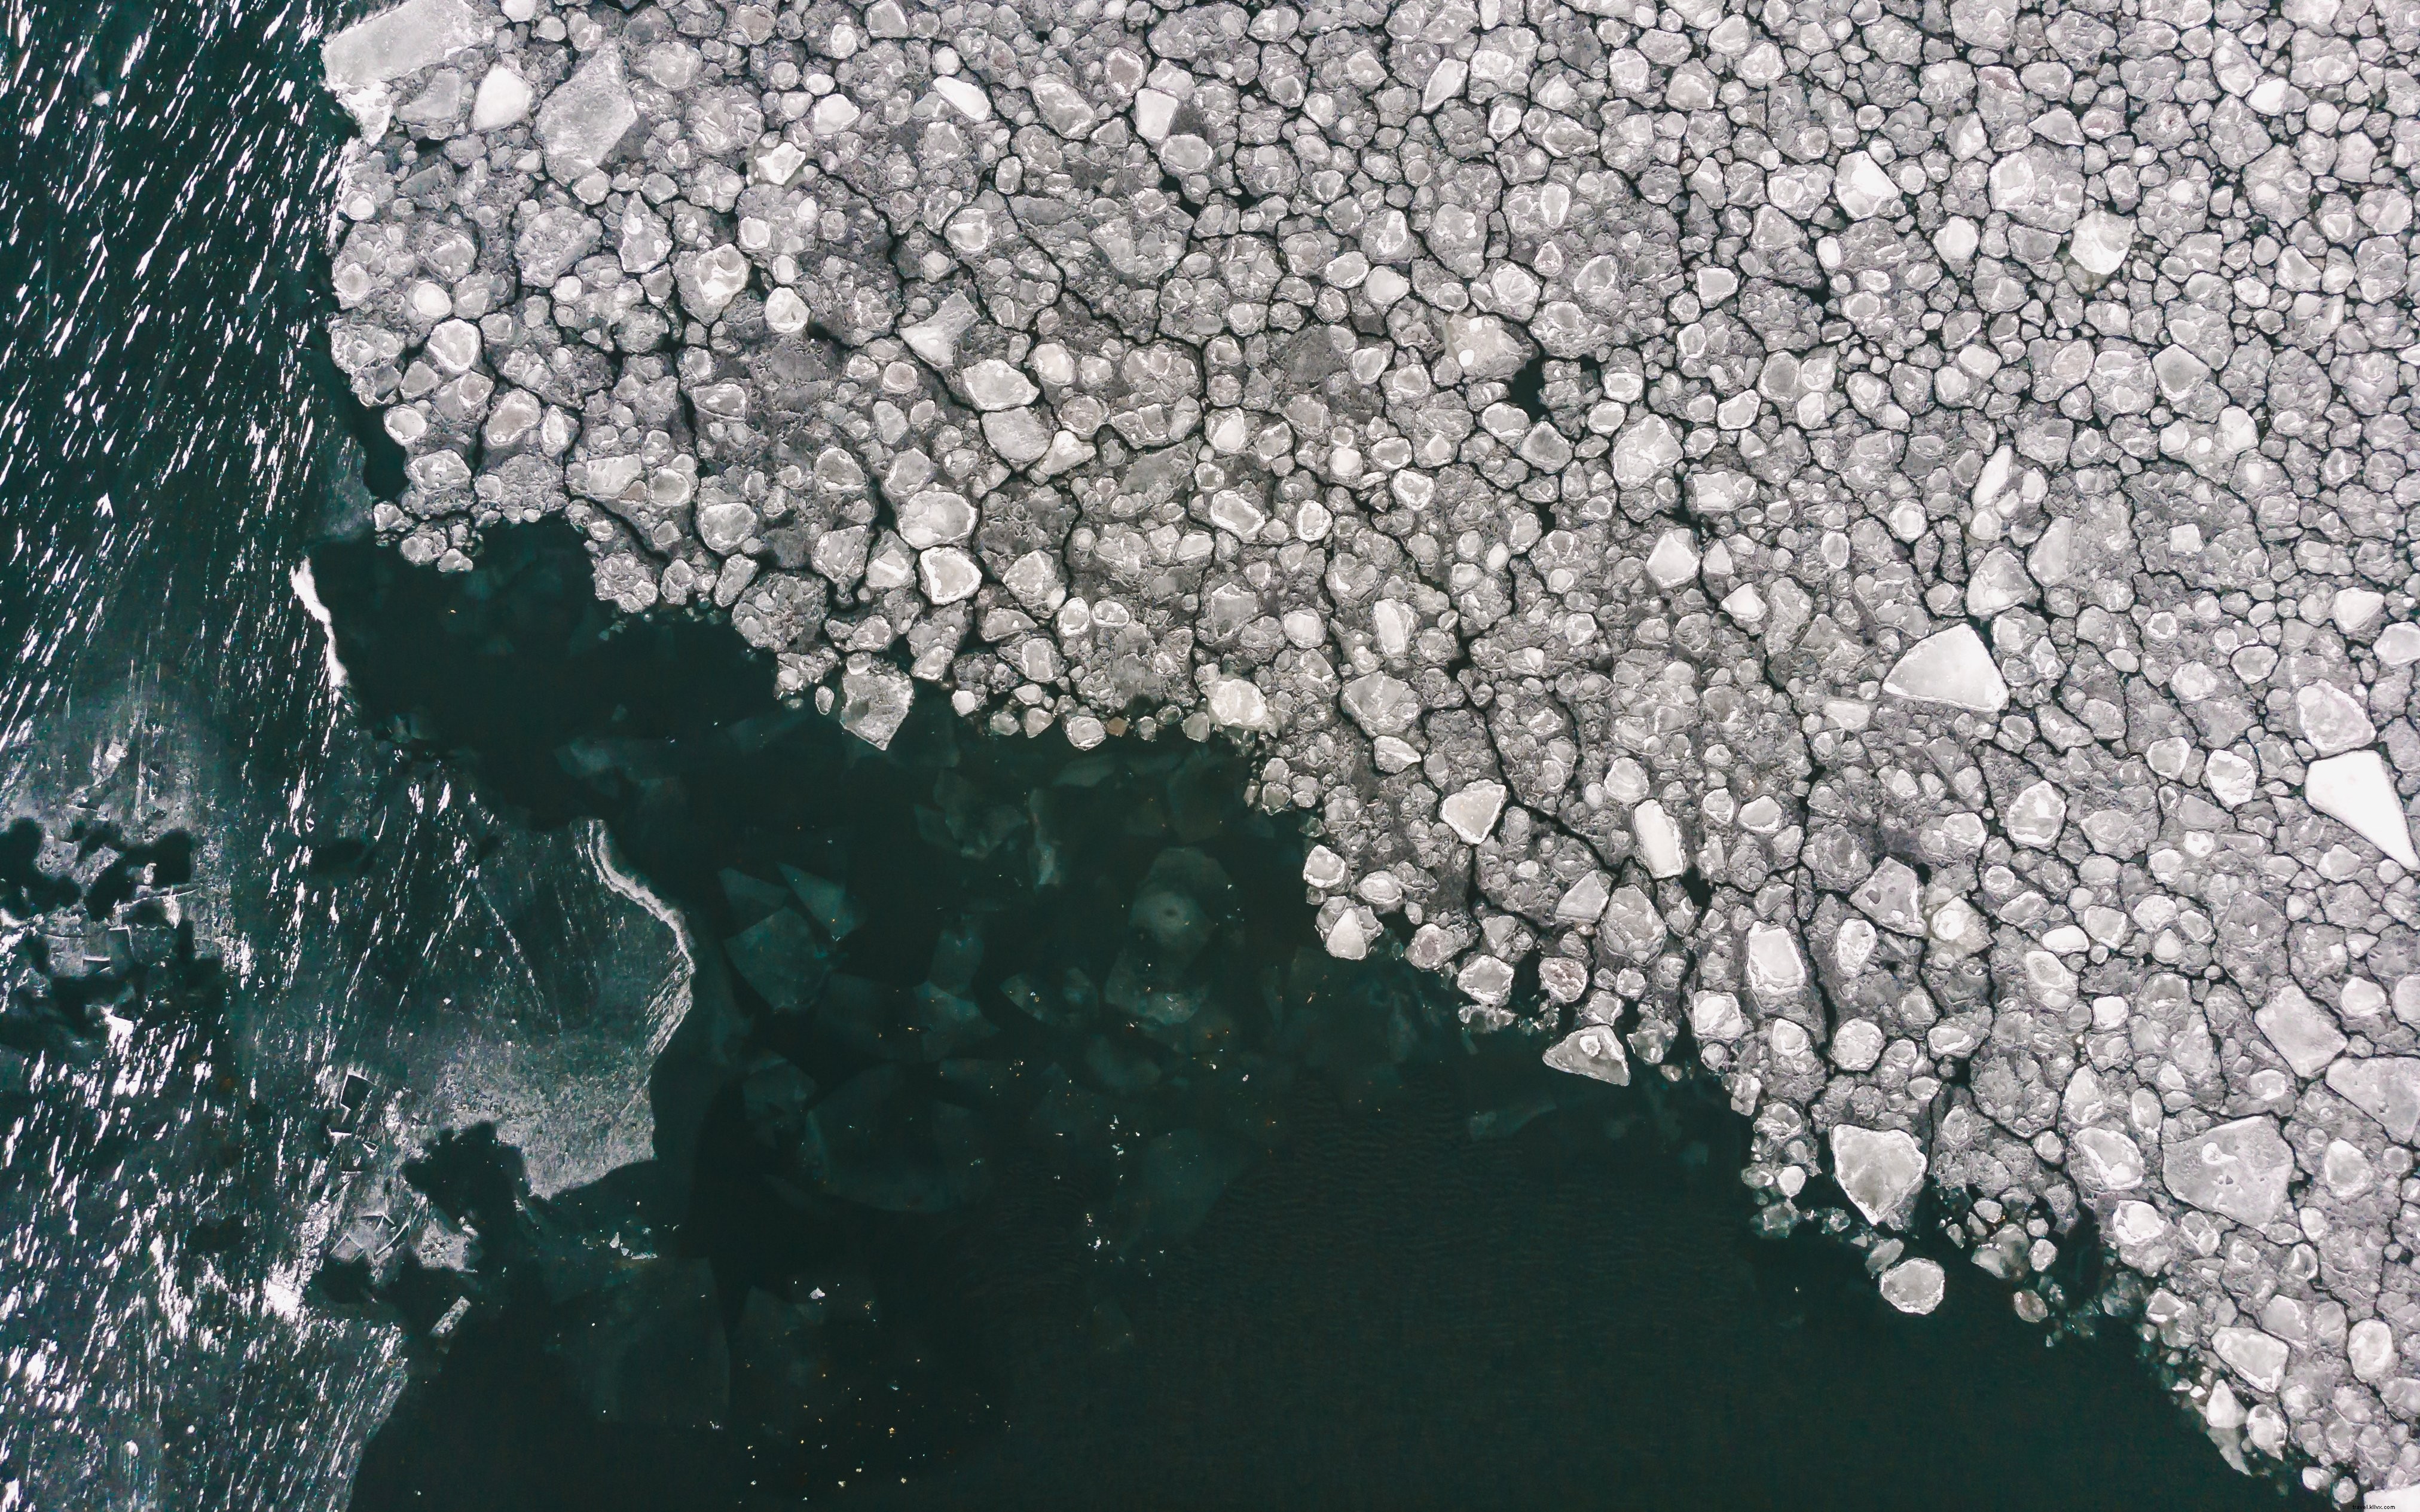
[{"x": 1863, "y": 545}]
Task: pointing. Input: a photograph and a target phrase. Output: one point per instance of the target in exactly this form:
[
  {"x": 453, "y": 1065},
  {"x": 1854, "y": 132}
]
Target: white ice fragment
[
  {"x": 1471, "y": 813},
  {"x": 1888, "y": 897},
  {"x": 2354, "y": 609},
  {"x": 1862, "y": 187},
  {"x": 1913, "y": 1286},
  {"x": 1591, "y": 1050},
  {"x": 1674, "y": 561},
  {"x": 832, "y": 115},
  {"x": 2258, "y": 1357},
  {"x": 2387, "y": 1088},
  {"x": 963, "y": 96},
  {"x": 1998, "y": 582},
  {"x": 1486, "y": 979},
  {"x": 1951, "y": 667},
  {"x": 785, "y": 314},
  {"x": 1444, "y": 82},
  {"x": 1347, "y": 940},
  {"x": 2370, "y": 1347},
  {"x": 2101, "y": 242},
  {"x": 1775, "y": 971},
  {"x": 2399, "y": 644},
  {"x": 1583, "y": 904},
  {"x": 2301, "y": 1029},
  {"x": 2332, "y": 719},
  {"x": 2135, "y": 1224},
  {"x": 935, "y": 338},
  {"x": 992, "y": 384},
  {"x": 2237, "y": 1170},
  {"x": 949, "y": 574},
  {"x": 1659, "y": 841},
  {"x": 1715, "y": 1017},
  {"x": 1858, "y": 1044},
  {"x": 1645, "y": 451},
  {"x": 307, "y": 590},
  {"x": 1852, "y": 947},
  {"x": 2232, "y": 781},
  {"x": 1153, "y": 112},
  {"x": 2035, "y": 816},
  {"x": 2103, "y": 1160},
  {"x": 585, "y": 116},
  {"x": 1380, "y": 704},
  {"x": 1017, "y": 435},
  {"x": 874, "y": 703},
  {"x": 1237, "y": 703},
  {"x": 937, "y": 517},
  {"x": 1879, "y": 1168},
  {"x": 503, "y": 98},
  {"x": 2355, "y": 788},
  {"x": 365, "y": 56},
  {"x": 1323, "y": 869}
]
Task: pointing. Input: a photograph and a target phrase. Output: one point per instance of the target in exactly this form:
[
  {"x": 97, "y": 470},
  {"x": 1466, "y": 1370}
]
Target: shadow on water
[{"x": 1033, "y": 1156}]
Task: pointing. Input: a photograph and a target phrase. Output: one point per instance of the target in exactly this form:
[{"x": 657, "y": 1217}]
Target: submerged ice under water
[{"x": 247, "y": 1202}]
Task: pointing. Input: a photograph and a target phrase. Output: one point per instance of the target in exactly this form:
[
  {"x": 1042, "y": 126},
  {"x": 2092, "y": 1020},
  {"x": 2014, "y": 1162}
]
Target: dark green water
[{"x": 1378, "y": 1311}]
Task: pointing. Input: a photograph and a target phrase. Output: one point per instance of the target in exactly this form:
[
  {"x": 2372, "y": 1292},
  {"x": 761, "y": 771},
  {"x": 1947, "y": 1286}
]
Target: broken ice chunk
[
  {"x": 585, "y": 116},
  {"x": 2355, "y": 788},
  {"x": 2256, "y": 1356},
  {"x": 2332, "y": 719},
  {"x": 1659, "y": 841},
  {"x": 874, "y": 703},
  {"x": 1471, "y": 813},
  {"x": 365, "y": 56},
  {"x": 1913, "y": 1286},
  {"x": 1889, "y": 898},
  {"x": 2103, "y": 1160},
  {"x": 1585, "y": 902},
  {"x": 1487, "y": 981},
  {"x": 1382, "y": 706},
  {"x": 1674, "y": 561},
  {"x": 2035, "y": 816},
  {"x": 780, "y": 958},
  {"x": 1881, "y": 1170},
  {"x": 1858, "y": 1044},
  {"x": 1715, "y": 1017},
  {"x": 2301, "y": 1029},
  {"x": 992, "y": 384},
  {"x": 1237, "y": 703},
  {"x": 2371, "y": 1349},
  {"x": 2237, "y": 1170},
  {"x": 2231, "y": 778},
  {"x": 1645, "y": 451},
  {"x": 1951, "y": 667},
  {"x": 949, "y": 574},
  {"x": 1775, "y": 971},
  {"x": 2099, "y": 243},
  {"x": 1593, "y": 1050},
  {"x": 2387, "y": 1088},
  {"x": 503, "y": 98},
  {"x": 1862, "y": 187}
]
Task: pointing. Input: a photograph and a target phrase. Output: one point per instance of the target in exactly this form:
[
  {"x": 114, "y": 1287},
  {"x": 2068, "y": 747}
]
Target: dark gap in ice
[
  {"x": 1701, "y": 890},
  {"x": 25, "y": 889},
  {"x": 169, "y": 861},
  {"x": 1527, "y": 390}
]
